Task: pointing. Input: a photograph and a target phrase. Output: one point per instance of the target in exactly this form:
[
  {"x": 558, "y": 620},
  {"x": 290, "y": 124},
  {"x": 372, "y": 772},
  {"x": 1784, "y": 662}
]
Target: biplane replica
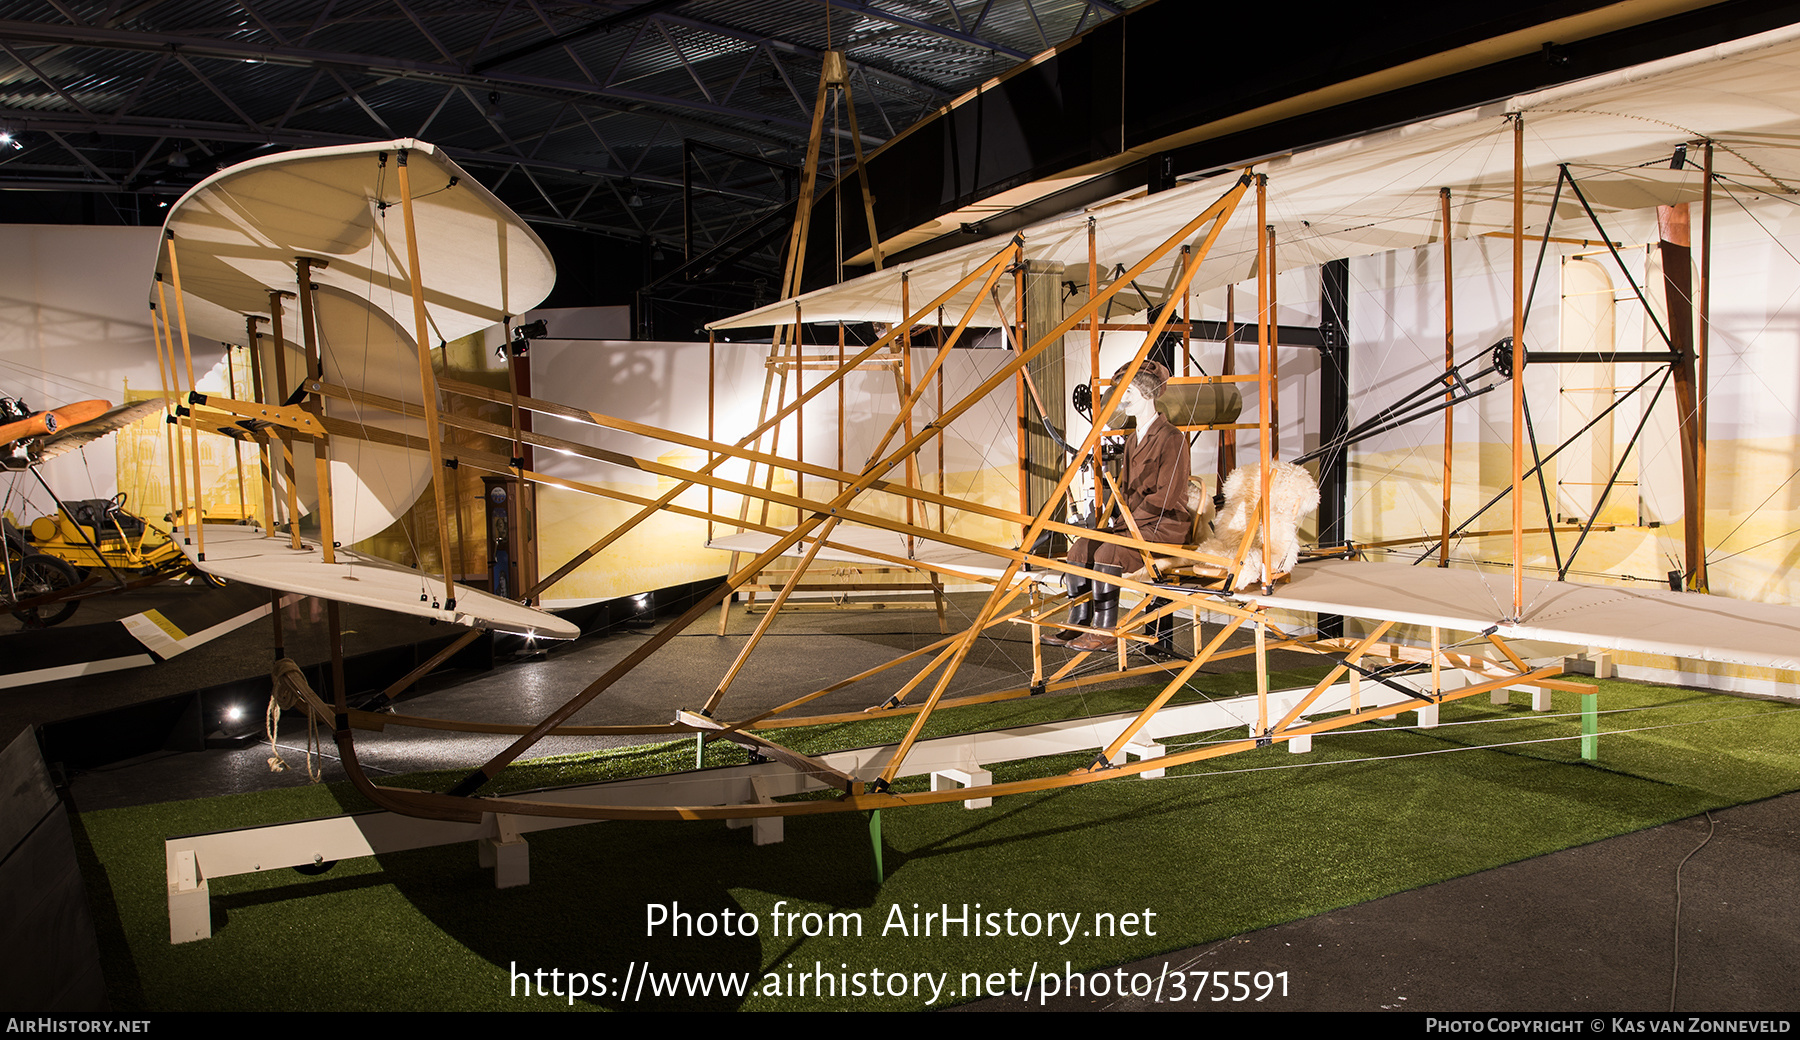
[
  {"x": 359, "y": 398},
  {"x": 44, "y": 562}
]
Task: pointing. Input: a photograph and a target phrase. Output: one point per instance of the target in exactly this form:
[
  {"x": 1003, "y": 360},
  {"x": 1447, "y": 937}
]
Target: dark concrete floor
[{"x": 1587, "y": 929}]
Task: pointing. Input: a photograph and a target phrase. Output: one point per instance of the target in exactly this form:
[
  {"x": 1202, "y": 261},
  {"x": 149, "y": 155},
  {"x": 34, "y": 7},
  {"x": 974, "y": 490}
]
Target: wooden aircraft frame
[
  {"x": 824, "y": 527},
  {"x": 1015, "y": 597}
]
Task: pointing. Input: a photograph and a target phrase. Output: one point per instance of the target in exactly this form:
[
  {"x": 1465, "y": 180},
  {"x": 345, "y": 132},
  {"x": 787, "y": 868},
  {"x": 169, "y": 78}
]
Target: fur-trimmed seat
[{"x": 1294, "y": 495}]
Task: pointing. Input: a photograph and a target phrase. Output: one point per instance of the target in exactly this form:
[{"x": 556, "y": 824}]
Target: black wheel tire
[{"x": 40, "y": 574}]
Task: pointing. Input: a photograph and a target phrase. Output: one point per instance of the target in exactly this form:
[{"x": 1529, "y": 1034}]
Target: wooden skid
[
  {"x": 452, "y": 807},
  {"x": 799, "y": 763}
]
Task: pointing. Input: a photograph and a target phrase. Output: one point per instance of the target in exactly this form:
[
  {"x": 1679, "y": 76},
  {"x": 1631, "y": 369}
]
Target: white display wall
[
  {"x": 667, "y": 385},
  {"x": 75, "y": 325}
]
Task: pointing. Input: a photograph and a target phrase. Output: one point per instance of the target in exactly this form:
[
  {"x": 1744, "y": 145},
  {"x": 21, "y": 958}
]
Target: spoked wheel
[{"x": 41, "y": 574}]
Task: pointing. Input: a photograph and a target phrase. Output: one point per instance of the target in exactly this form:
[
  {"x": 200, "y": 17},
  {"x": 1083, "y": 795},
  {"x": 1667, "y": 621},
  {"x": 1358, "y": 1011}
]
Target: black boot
[{"x": 1106, "y": 614}]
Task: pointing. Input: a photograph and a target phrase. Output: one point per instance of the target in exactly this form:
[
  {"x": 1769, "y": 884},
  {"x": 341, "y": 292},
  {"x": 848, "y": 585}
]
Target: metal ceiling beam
[
  {"x": 149, "y": 153},
  {"x": 550, "y": 27},
  {"x": 750, "y": 55},
  {"x": 419, "y": 24},
  {"x": 927, "y": 27},
  {"x": 46, "y": 80},
  {"x": 493, "y": 26},
  {"x": 194, "y": 71},
  {"x": 250, "y": 9},
  {"x": 599, "y": 25},
  {"x": 298, "y": 57},
  {"x": 83, "y": 160},
  {"x": 932, "y": 90},
  {"x": 368, "y": 109},
  {"x": 681, "y": 56},
  {"x": 1038, "y": 24},
  {"x": 137, "y": 92}
]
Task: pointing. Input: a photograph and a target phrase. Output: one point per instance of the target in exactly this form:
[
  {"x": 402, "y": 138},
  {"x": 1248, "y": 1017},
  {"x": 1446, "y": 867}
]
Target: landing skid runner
[{"x": 1374, "y": 679}]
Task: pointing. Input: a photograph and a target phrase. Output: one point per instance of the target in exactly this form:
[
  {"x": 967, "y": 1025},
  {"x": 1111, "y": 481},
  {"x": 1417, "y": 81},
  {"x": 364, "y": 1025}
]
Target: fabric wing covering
[
  {"x": 238, "y": 232},
  {"x": 244, "y": 554},
  {"x": 1380, "y": 192},
  {"x": 1680, "y": 624}
]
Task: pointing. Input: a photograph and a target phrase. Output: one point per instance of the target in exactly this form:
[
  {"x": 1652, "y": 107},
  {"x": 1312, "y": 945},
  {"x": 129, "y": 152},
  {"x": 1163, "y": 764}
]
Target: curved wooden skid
[{"x": 441, "y": 806}]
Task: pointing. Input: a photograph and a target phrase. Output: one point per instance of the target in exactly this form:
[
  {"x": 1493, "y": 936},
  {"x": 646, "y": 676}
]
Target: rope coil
[{"x": 292, "y": 692}]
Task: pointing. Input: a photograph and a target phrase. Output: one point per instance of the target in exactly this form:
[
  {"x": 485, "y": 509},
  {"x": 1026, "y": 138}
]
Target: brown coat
[{"x": 1155, "y": 482}]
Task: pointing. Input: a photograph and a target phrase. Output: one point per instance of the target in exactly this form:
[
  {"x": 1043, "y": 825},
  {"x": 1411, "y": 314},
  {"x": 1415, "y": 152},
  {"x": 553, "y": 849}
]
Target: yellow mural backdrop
[{"x": 230, "y": 481}]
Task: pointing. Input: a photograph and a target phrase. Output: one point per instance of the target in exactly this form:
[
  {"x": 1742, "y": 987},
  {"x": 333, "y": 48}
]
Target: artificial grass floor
[{"x": 1214, "y": 850}]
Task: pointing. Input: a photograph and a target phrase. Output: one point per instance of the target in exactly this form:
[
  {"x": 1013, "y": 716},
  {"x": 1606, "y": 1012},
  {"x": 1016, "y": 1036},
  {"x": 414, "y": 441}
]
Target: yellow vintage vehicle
[
  {"x": 49, "y": 562},
  {"x": 34, "y": 586},
  {"x": 99, "y": 533}
]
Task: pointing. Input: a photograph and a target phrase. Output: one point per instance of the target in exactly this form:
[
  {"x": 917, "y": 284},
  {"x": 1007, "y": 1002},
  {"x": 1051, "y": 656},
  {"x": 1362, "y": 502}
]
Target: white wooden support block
[
  {"x": 1300, "y": 745},
  {"x": 1428, "y": 716},
  {"x": 740, "y": 823},
  {"x": 1603, "y": 665},
  {"x": 1540, "y": 697},
  {"x": 506, "y": 852},
  {"x": 1500, "y": 696},
  {"x": 1146, "y": 749},
  {"x": 190, "y": 912},
  {"x": 764, "y": 830},
  {"x": 967, "y": 776}
]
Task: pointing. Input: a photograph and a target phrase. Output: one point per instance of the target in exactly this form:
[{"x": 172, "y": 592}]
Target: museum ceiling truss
[{"x": 666, "y": 121}]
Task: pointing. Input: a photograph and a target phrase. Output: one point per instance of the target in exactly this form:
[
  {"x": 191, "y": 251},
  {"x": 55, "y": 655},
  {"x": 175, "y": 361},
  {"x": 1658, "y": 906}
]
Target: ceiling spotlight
[
  {"x": 636, "y": 201},
  {"x": 178, "y": 160},
  {"x": 7, "y": 140},
  {"x": 493, "y": 109}
]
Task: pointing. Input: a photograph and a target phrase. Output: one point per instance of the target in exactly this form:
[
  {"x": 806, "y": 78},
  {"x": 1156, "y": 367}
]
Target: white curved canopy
[
  {"x": 236, "y": 236},
  {"x": 238, "y": 232}
]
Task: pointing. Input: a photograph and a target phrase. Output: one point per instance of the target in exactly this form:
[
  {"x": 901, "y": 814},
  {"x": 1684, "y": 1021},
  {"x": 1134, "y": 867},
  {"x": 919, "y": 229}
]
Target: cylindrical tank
[
  {"x": 1193, "y": 404},
  {"x": 1201, "y": 404}
]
